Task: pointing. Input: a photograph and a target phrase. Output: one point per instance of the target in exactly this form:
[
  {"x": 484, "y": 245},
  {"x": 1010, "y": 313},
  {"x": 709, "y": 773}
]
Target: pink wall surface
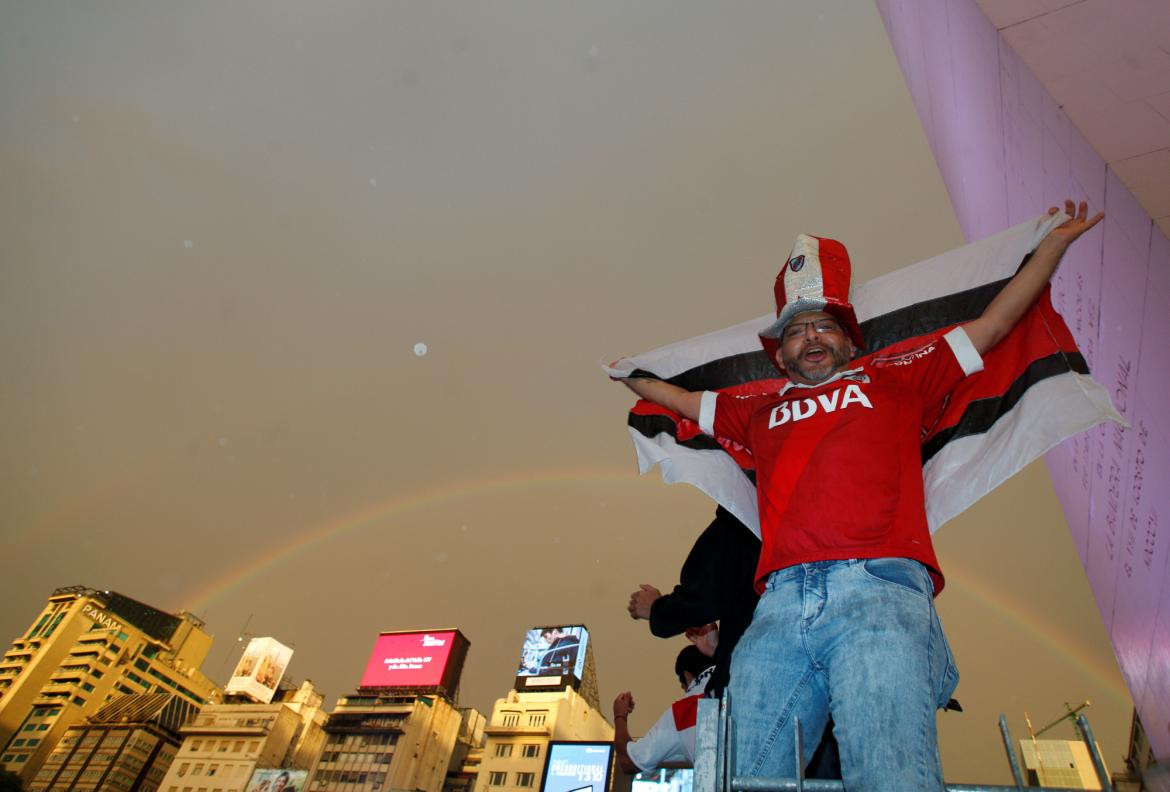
[{"x": 1006, "y": 151}]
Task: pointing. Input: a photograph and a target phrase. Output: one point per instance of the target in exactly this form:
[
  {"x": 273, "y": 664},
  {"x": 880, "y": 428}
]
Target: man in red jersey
[{"x": 846, "y": 622}]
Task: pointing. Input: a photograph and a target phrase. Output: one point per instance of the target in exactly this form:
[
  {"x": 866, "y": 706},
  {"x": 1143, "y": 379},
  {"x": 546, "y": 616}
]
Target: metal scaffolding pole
[{"x": 715, "y": 759}]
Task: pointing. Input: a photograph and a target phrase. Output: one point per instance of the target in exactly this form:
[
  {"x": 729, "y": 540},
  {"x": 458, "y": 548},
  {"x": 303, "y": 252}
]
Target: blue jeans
[{"x": 857, "y": 638}]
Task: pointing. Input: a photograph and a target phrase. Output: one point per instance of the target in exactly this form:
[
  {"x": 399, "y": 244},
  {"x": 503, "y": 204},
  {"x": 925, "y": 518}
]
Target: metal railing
[{"x": 715, "y": 759}]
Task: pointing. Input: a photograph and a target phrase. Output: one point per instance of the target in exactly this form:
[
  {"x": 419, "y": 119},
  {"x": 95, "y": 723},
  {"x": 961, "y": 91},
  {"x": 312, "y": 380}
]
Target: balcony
[{"x": 517, "y": 730}]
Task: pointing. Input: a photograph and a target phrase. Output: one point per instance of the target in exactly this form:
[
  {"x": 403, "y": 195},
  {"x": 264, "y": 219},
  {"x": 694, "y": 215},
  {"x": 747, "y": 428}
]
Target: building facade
[
  {"x": 227, "y": 742},
  {"x": 85, "y": 649},
  {"x": 1059, "y": 763},
  {"x": 127, "y": 745},
  {"x": 463, "y": 769},
  {"x": 391, "y": 740},
  {"x": 521, "y": 726}
]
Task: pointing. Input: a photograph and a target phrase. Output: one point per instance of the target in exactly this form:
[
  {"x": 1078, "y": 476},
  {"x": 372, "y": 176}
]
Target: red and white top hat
[{"x": 815, "y": 278}]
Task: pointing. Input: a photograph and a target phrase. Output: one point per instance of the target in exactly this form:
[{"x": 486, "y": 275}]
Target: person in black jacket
[{"x": 716, "y": 584}]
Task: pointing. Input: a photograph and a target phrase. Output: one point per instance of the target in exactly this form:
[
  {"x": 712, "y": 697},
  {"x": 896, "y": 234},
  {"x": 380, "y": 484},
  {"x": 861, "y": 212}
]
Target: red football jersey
[{"x": 839, "y": 464}]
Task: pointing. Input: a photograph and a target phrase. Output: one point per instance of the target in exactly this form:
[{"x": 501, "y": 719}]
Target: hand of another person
[
  {"x": 641, "y": 600},
  {"x": 623, "y": 705},
  {"x": 705, "y": 638}
]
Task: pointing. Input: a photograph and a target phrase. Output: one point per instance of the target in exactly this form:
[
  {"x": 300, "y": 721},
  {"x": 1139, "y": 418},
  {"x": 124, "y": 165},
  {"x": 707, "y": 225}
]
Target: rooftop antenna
[
  {"x": 1071, "y": 715},
  {"x": 243, "y": 636},
  {"x": 1035, "y": 745}
]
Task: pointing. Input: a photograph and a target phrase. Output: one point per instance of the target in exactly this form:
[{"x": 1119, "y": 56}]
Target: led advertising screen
[
  {"x": 270, "y": 780},
  {"x": 577, "y": 767},
  {"x": 260, "y": 669},
  {"x": 433, "y": 658},
  {"x": 554, "y": 652}
]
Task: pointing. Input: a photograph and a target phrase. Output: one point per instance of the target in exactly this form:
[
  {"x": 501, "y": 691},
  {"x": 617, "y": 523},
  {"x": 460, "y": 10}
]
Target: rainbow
[
  {"x": 1020, "y": 616},
  {"x": 376, "y": 513},
  {"x": 231, "y": 580}
]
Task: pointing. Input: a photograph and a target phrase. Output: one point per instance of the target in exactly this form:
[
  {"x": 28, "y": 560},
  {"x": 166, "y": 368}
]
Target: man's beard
[{"x": 819, "y": 372}]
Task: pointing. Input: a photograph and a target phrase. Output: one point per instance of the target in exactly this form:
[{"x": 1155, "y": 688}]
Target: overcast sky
[{"x": 227, "y": 228}]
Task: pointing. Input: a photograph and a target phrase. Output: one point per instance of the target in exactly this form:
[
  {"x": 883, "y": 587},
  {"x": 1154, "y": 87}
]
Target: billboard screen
[
  {"x": 433, "y": 658},
  {"x": 577, "y": 767},
  {"x": 260, "y": 669},
  {"x": 277, "y": 780},
  {"x": 557, "y": 651}
]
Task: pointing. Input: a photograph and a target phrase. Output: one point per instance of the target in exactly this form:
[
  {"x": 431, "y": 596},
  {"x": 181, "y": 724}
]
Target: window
[
  {"x": 531, "y": 751},
  {"x": 237, "y": 746},
  {"x": 497, "y": 778},
  {"x": 511, "y": 719},
  {"x": 196, "y": 744},
  {"x": 210, "y": 745},
  {"x": 503, "y": 749},
  {"x": 197, "y": 770},
  {"x": 213, "y": 769},
  {"x": 183, "y": 769},
  {"x": 525, "y": 779},
  {"x": 537, "y": 718}
]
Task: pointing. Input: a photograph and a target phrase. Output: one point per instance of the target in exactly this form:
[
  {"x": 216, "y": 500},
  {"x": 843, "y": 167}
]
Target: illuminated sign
[
  {"x": 550, "y": 653},
  {"x": 433, "y": 658},
  {"x": 577, "y": 767},
  {"x": 277, "y": 780},
  {"x": 100, "y": 617},
  {"x": 260, "y": 669}
]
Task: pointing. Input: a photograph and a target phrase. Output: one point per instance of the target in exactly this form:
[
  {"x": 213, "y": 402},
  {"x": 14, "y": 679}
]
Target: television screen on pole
[
  {"x": 577, "y": 767},
  {"x": 416, "y": 659},
  {"x": 554, "y": 652}
]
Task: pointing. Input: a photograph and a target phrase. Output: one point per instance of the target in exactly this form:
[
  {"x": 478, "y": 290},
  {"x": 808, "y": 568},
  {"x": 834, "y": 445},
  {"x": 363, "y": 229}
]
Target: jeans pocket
[
  {"x": 949, "y": 679},
  {"x": 903, "y": 572}
]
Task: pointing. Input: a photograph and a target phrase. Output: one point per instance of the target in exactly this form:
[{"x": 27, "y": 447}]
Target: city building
[
  {"x": 127, "y": 745},
  {"x": 85, "y": 649},
  {"x": 520, "y": 729},
  {"x": 463, "y": 768},
  {"x": 555, "y": 698},
  {"x": 1141, "y": 766},
  {"x": 226, "y": 743},
  {"x": 377, "y": 743},
  {"x": 401, "y": 729},
  {"x": 1059, "y": 763}
]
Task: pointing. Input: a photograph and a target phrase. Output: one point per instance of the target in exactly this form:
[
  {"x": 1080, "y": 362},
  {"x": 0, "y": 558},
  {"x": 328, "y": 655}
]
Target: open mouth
[{"x": 814, "y": 354}]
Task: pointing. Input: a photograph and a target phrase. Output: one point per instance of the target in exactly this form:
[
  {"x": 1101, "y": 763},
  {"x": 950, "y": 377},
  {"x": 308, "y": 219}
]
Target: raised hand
[
  {"x": 641, "y": 600},
  {"x": 1078, "y": 223},
  {"x": 623, "y": 705}
]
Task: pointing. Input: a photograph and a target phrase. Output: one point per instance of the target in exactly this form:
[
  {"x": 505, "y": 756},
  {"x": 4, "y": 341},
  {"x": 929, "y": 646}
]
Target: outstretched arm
[
  {"x": 672, "y": 397},
  {"x": 623, "y": 705},
  {"x": 1021, "y": 291}
]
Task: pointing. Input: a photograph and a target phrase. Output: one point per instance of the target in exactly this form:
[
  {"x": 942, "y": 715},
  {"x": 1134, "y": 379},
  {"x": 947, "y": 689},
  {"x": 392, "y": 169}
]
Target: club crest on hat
[{"x": 814, "y": 278}]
